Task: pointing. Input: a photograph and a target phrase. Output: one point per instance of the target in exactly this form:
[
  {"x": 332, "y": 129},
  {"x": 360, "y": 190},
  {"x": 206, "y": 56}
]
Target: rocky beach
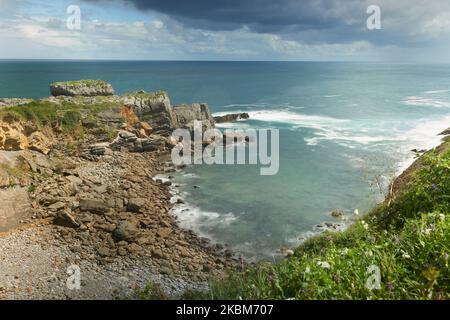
[{"x": 78, "y": 188}]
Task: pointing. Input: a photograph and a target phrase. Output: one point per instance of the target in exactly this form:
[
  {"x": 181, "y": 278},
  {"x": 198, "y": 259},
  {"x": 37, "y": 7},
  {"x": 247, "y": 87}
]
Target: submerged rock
[
  {"x": 88, "y": 88},
  {"x": 338, "y": 214}
]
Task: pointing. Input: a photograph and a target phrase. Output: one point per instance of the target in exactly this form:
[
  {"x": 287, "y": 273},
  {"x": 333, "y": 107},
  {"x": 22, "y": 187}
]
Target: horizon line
[{"x": 212, "y": 60}]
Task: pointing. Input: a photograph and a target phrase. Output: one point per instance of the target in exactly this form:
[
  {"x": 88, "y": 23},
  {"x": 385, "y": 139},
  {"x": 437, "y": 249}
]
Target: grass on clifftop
[
  {"x": 47, "y": 113},
  {"x": 87, "y": 83},
  {"x": 408, "y": 243}
]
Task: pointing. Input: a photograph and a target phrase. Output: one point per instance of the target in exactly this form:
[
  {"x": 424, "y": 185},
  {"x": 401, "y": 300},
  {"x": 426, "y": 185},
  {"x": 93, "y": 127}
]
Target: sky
[{"x": 412, "y": 31}]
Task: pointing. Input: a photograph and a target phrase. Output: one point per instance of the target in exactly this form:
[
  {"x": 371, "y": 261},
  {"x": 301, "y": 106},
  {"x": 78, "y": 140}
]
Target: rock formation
[
  {"x": 81, "y": 88},
  {"x": 231, "y": 117},
  {"x": 15, "y": 135},
  {"x": 95, "y": 196},
  {"x": 8, "y": 102},
  {"x": 155, "y": 108},
  {"x": 187, "y": 114}
]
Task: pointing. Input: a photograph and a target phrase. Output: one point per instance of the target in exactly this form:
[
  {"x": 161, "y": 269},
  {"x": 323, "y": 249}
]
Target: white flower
[
  {"x": 364, "y": 224},
  {"x": 427, "y": 231},
  {"x": 308, "y": 270},
  {"x": 406, "y": 256},
  {"x": 323, "y": 264},
  {"x": 356, "y": 212},
  {"x": 442, "y": 216}
]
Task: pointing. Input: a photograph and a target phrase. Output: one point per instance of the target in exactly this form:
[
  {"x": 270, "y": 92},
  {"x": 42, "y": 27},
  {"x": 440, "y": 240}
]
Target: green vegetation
[
  {"x": 152, "y": 291},
  {"x": 70, "y": 120},
  {"x": 408, "y": 241},
  {"x": 49, "y": 113},
  {"x": 87, "y": 83}
]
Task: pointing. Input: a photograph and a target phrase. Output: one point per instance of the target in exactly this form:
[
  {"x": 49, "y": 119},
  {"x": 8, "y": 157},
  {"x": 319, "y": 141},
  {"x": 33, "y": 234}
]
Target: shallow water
[{"x": 345, "y": 130}]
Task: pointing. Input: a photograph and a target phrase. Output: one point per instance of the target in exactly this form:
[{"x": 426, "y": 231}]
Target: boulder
[
  {"x": 125, "y": 231},
  {"x": 64, "y": 218},
  {"x": 338, "y": 214},
  {"x": 153, "y": 143},
  {"x": 231, "y": 117},
  {"x": 135, "y": 204},
  {"x": 98, "y": 149},
  {"x": 39, "y": 142},
  {"x": 15, "y": 205},
  {"x": 145, "y": 126},
  {"x": 86, "y": 88},
  {"x": 94, "y": 206},
  {"x": 132, "y": 143}
]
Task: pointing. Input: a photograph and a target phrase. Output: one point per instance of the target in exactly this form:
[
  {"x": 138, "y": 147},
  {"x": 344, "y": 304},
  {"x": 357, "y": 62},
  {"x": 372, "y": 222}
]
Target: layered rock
[
  {"x": 87, "y": 88},
  {"x": 231, "y": 117},
  {"x": 187, "y": 114},
  {"x": 154, "y": 107},
  {"x": 131, "y": 142},
  {"x": 17, "y": 136}
]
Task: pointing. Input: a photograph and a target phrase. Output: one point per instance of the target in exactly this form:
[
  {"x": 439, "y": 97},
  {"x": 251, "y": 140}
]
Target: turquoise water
[{"x": 345, "y": 129}]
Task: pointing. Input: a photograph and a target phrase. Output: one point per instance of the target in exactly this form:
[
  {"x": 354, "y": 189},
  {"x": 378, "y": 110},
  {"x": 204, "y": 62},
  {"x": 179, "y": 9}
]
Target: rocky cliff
[
  {"x": 78, "y": 179},
  {"x": 81, "y": 88},
  {"x": 187, "y": 114}
]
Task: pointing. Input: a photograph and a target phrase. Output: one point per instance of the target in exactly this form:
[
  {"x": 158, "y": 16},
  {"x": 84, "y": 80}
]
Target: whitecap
[
  {"x": 425, "y": 102},
  {"x": 436, "y": 91}
]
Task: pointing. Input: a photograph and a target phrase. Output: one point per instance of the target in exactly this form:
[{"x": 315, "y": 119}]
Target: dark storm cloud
[
  {"x": 260, "y": 15},
  {"x": 408, "y": 22}
]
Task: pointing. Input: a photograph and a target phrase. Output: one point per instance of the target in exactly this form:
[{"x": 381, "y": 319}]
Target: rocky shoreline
[{"x": 91, "y": 201}]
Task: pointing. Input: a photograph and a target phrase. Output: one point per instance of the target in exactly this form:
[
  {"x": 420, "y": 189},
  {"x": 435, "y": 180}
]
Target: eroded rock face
[
  {"x": 39, "y": 142},
  {"x": 187, "y": 114},
  {"x": 154, "y": 108},
  {"x": 17, "y": 136},
  {"x": 87, "y": 88}
]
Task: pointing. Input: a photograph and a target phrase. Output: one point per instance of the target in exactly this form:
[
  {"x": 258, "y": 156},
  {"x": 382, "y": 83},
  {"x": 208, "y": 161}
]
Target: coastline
[
  {"x": 119, "y": 245},
  {"x": 333, "y": 224},
  {"x": 92, "y": 203}
]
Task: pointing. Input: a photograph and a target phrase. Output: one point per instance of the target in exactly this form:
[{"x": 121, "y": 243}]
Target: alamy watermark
[
  {"x": 241, "y": 147},
  {"x": 73, "y": 282},
  {"x": 374, "y": 20},
  {"x": 374, "y": 280},
  {"x": 73, "y": 22}
]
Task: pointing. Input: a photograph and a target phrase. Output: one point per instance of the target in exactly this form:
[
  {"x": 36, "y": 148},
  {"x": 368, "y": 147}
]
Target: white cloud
[{"x": 161, "y": 37}]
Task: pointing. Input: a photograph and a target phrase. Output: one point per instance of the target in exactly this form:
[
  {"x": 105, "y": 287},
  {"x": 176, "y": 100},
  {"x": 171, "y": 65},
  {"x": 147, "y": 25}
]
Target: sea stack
[{"x": 87, "y": 88}]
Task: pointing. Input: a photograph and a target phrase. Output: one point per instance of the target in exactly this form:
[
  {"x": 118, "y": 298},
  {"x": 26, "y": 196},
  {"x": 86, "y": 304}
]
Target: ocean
[{"x": 346, "y": 129}]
